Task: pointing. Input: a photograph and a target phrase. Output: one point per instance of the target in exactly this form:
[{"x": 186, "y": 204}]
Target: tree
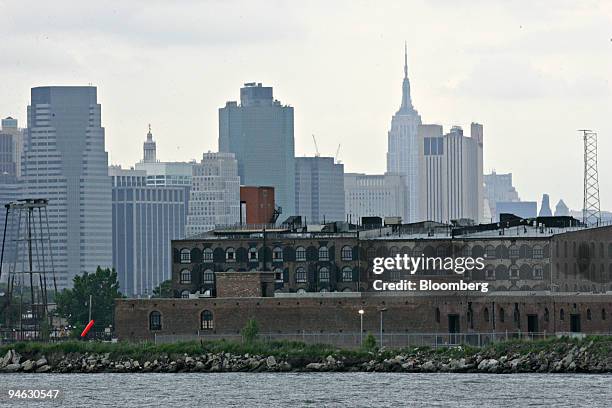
[
  {"x": 163, "y": 290},
  {"x": 73, "y": 304},
  {"x": 250, "y": 331},
  {"x": 370, "y": 342}
]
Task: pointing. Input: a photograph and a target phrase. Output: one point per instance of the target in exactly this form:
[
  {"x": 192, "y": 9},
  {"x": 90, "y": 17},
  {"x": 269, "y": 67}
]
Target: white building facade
[
  {"x": 214, "y": 199},
  {"x": 379, "y": 195}
]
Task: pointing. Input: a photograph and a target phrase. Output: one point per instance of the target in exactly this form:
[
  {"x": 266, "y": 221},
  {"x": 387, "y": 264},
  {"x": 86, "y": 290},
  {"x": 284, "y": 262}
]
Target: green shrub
[
  {"x": 370, "y": 342},
  {"x": 250, "y": 332}
]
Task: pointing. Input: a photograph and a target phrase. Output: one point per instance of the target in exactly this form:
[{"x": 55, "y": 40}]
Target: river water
[{"x": 314, "y": 390}]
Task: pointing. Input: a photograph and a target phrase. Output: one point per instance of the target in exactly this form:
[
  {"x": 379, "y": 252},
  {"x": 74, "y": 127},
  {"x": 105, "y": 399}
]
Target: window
[
  {"x": 230, "y": 254},
  {"x": 490, "y": 273},
  {"x": 278, "y": 274},
  {"x": 502, "y": 315},
  {"x": 208, "y": 255},
  {"x": 546, "y": 314},
  {"x": 347, "y": 253},
  {"x": 437, "y": 315},
  {"x": 514, "y": 251},
  {"x": 324, "y": 274},
  {"x": 155, "y": 321},
  {"x": 208, "y": 276},
  {"x": 323, "y": 254},
  {"x": 603, "y": 314},
  {"x": 589, "y": 315},
  {"x": 185, "y": 294},
  {"x": 206, "y": 320},
  {"x": 277, "y": 254},
  {"x": 300, "y": 275},
  {"x": 538, "y": 252},
  {"x": 561, "y": 314},
  {"x": 514, "y": 272},
  {"x": 300, "y": 254},
  {"x": 185, "y": 276},
  {"x": 490, "y": 252},
  {"x": 347, "y": 274},
  {"x": 253, "y": 254},
  {"x": 486, "y": 314},
  {"x": 185, "y": 256},
  {"x": 537, "y": 272}
]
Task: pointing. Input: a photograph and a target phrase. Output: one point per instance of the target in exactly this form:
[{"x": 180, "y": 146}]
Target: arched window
[
  {"x": 185, "y": 255},
  {"x": 230, "y": 254},
  {"x": 324, "y": 274},
  {"x": 208, "y": 276},
  {"x": 300, "y": 254},
  {"x": 206, "y": 320},
  {"x": 603, "y": 314},
  {"x": 323, "y": 253},
  {"x": 486, "y": 314},
  {"x": 253, "y": 254},
  {"x": 514, "y": 252},
  {"x": 514, "y": 272},
  {"x": 155, "y": 320},
  {"x": 347, "y": 274},
  {"x": 538, "y": 252},
  {"x": 490, "y": 252},
  {"x": 277, "y": 254},
  {"x": 300, "y": 275},
  {"x": 546, "y": 314},
  {"x": 490, "y": 272},
  {"x": 347, "y": 253},
  {"x": 278, "y": 274},
  {"x": 589, "y": 316},
  {"x": 437, "y": 315},
  {"x": 538, "y": 272},
  {"x": 208, "y": 255},
  {"x": 185, "y": 276},
  {"x": 502, "y": 315},
  {"x": 561, "y": 314},
  {"x": 185, "y": 294}
]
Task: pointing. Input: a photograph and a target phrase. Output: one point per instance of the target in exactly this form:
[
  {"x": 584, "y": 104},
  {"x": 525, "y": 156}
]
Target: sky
[{"x": 532, "y": 72}]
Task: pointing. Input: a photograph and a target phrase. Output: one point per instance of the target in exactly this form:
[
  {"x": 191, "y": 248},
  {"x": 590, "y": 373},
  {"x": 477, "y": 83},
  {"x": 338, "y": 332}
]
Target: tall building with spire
[
  {"x": 404, "y": 148},
  {"x": 149, "y": 149}
]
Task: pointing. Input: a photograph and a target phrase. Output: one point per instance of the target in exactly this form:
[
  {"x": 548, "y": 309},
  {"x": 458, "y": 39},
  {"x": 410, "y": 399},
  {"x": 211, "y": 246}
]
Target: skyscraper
[
  {"x": 374, "y": 195},
  {"x": 64, "y": 161},
  {"x": 145, "y": 219},
  {"x": 404, "y": 148},
  {"x": 214, "y": 199},
  {"x": 319, "y": 189},
  {"x": 545, "y": 207},
  {"x": 259, "y": 132},
  {"x": 149, "y": 148},
  {"x": 498, "y": 188},
  {"x": 435, "y": 174}
]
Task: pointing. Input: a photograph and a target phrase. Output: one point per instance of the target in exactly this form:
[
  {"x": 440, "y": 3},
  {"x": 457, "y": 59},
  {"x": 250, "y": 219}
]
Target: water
[{"x": 316, "y": 389}]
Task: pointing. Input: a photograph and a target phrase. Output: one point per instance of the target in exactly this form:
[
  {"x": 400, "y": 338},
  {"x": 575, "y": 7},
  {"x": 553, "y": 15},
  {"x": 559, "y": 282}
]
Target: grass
[{"x": 293, "y": 350}]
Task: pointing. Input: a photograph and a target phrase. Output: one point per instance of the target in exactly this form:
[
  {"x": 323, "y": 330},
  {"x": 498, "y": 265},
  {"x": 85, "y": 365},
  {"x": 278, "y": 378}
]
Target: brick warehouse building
[{"x": 531, "y": 271}]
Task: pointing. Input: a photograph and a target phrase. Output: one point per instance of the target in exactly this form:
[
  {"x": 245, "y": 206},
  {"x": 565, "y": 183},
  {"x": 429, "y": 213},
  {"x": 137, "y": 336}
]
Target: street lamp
[
  {"x": 381, "y": 325},
  {"x": 361, "y": 312}
]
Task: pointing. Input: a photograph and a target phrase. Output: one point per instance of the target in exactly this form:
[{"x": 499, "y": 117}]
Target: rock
[
  {"x": 428, "y": 366},
  {"x": 314, "y": 366},
  {"x": 199, "y": 366},
  {"x": 188, "y": 360},
  {"x": 12, "y": 368},
  {"x": 8, "y": 357},
  {"x": 330, "y": 360},
  {"x": 16, "y": 358},
  {"x": 271, "y": 362},
  {"x": 41, "y": 362},
  {"x": 43, "y": 369},
  {"x": 27, "y": 365}
]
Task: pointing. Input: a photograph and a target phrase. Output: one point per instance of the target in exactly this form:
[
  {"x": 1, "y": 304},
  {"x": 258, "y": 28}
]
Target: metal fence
[
  {"x": 53, "y": 336},
  {"x": 392, "y": 340}
]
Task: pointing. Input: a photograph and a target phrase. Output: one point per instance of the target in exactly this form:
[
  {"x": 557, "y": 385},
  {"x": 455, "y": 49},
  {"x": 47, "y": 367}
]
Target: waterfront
[{"x": 316, "y": 389}]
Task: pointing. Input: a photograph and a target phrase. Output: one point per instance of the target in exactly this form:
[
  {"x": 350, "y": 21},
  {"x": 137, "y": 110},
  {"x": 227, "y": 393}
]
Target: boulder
[
  {"x": 314, "y": 366},
  {"x": 43, "y": 369},
  {"x": 41, "y": 362},
  {"x": 271, "y": 362},
  {"x": 27, "y": 365},
  {"x": 12, "y": 368}
]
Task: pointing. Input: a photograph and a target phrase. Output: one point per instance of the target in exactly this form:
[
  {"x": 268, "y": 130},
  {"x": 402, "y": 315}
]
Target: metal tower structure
[
  {"x": 591, "y": 214},
  {"x": 30, "y": 270}
]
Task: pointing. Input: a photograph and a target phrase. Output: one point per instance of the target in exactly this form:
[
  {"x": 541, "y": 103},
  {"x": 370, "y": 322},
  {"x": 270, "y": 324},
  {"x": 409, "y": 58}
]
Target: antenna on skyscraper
[
  {"x": 317, "y": 154},
  {"x": 338, "y": 152},
  {"x": 591, "y": 214}
]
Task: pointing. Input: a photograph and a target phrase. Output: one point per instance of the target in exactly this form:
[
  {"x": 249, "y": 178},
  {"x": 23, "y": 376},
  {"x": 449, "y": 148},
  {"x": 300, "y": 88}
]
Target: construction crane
[
  {"x": 338, "y": 152},
  {"x": 317, "y": 154}
]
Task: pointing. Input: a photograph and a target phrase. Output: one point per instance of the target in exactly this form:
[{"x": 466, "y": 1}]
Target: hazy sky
[{"x": 532, "y": 72}]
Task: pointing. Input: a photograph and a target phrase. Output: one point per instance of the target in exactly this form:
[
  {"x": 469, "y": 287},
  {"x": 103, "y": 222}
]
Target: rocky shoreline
[{"x": 589, "y": 357}]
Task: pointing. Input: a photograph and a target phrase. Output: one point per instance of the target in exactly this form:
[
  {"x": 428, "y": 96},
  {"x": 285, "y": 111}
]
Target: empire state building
[{"x": 403, "y": 148}]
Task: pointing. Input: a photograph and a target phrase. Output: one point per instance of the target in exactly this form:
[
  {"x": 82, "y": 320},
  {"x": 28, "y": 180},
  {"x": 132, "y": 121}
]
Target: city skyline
[{"x": 526, "y": 80}]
